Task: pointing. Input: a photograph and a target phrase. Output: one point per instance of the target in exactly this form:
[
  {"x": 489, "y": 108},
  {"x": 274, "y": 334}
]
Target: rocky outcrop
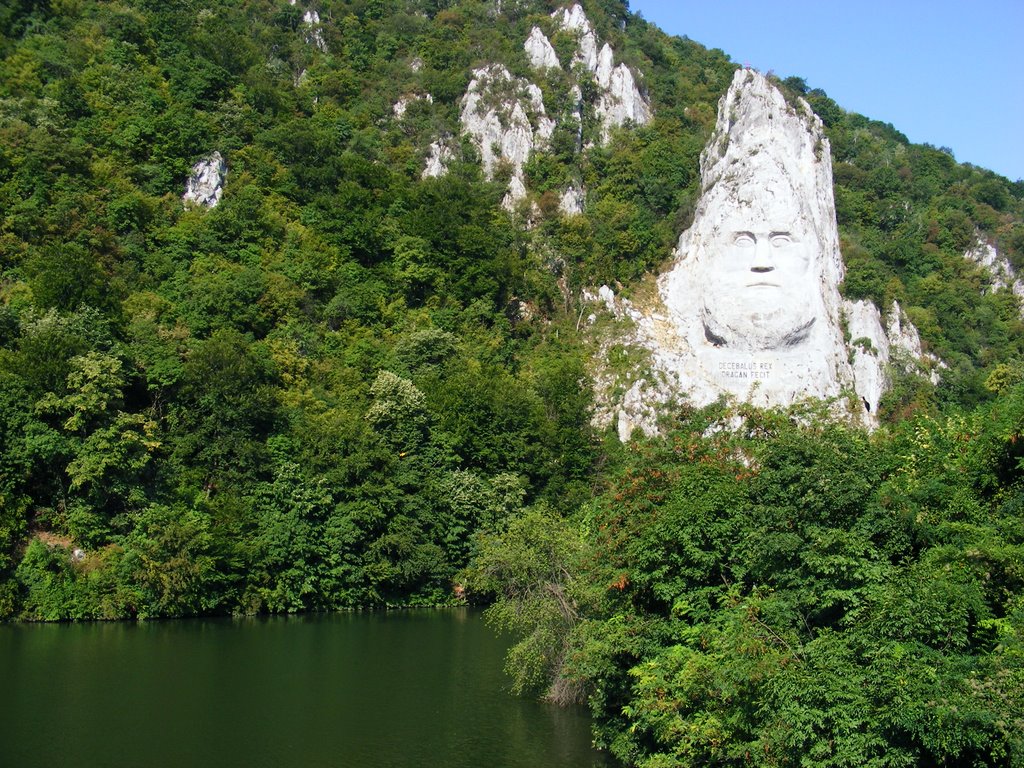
[
  {"x": 205, "y": 184},
  {"x": 619, "y": 99},
  {"x": 506, "y": 120},
  {"x": 750, "y": 307},
  {"x": 1001, "y": 274},
  {"x": 869, "y": 352},
  {"x": 439, "y": 156},
  {"x": 573, "y": 19},
  {"x": 571, "y": 202},
  {"x": 902, "y": 334},
  {"x": 633, "y": 397},
  {"x": 874, "y": 349},
  {"x": 313, "y": 32},
  {"x": 400, "y": 107},
  {"x": 540, "y": 51}
]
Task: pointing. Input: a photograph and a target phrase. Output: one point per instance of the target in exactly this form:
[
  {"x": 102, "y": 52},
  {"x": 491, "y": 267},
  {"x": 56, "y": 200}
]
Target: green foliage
[
  {"x": 790, "y": 594},
  {"x": 529, "y": 563}
]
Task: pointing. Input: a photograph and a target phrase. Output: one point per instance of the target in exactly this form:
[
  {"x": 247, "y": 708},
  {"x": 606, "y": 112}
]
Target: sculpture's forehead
[
  {"x": 758, "y": 219},
  {"x": 755, "y": 201}
]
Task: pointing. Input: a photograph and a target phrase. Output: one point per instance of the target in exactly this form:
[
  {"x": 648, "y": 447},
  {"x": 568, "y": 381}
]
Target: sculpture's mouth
[{"x": 763, "y": 284}]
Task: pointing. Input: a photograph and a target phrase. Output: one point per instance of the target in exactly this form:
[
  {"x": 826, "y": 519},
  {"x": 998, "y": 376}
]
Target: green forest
[{"x": 348, "y": 386}]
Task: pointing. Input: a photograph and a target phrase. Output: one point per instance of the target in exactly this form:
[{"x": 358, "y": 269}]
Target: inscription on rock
[{"x": 751, "y": 370}]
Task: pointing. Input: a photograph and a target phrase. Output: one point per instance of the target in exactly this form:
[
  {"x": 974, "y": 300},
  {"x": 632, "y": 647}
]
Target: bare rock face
[
  {"x": 750, "y": 307},
  {"x": 870, "y": 353},
  {"x": 400, "y": 107},
  {"x": 902, "y": 334},
  {"x": 875, "y": 348},
  {"x": 505, "y": 117},
  {"x": 571, "y": 202},
  {"x": 205, "y": 183},
  {"x": 1001, "y": 274},
  {"x": 619, "y": 100},
  {"x": 313, "y": 33},
  {"x": 438, "y": 158},
  {"x": 540, "y": 51},
  {"x": 754, "y": 291}
]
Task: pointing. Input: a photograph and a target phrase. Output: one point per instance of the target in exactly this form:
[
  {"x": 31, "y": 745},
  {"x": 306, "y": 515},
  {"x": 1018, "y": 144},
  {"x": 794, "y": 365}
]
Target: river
[{"x": 395, "y": 689}]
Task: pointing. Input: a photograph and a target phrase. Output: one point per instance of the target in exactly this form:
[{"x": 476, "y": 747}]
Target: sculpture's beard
[{"x": 779, "y": 321}]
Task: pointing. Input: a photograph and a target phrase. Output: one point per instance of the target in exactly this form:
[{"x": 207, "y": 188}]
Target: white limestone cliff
[
  {"x": 540, "y": 51},
  {"x": 999, "y": 270},
  {"x": 874, "y": 348},
  {"x": 619, "y": 99},
  {"x": 869, "y": 351},
  {"x": 205, "y": 184},
  {"x": 516, "y": 192},
  {"x": 750, "y": 307},
  {"x": 438, "y": 158},
  {"x": 313, "y": 32},
  {"x": 400, "y": 107},
  {"x": 621, "y": 102},
  {"x": 902, "y": 334},
  {"x": 571, "y": 202},
  {"x": 644, "y": 389},
  {"x": 505, "y": 118}
]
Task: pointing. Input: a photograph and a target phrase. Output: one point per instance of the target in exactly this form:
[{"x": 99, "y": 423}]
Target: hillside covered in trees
[{"x": 352, "y": 384}]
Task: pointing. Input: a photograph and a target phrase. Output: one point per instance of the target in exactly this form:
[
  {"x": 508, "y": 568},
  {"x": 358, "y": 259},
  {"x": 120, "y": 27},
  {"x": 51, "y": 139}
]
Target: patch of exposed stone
[
  {"x": 312, "y": 30},
  {"x": 400, "y": 107},
  {"x": 619, "y": 101},
  {"x": 505, "y": 118},
  {"x": 875, "y": 347},
  {"x": 439, "y": 155},
  {"x": 636, "y": 396},
  {"x": 571, "y": 201},
  {"x": 997, "y": 268},
  {"x": 540, "y": 52},
  {"x": 205, "y": 184}
]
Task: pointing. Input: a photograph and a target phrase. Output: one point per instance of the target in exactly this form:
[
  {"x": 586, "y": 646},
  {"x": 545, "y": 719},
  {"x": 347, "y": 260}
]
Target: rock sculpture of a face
[
  {"x": 750, "y": 308},
  {"x": 753, "y": 294},
  {"x": 755, "y": 281}
]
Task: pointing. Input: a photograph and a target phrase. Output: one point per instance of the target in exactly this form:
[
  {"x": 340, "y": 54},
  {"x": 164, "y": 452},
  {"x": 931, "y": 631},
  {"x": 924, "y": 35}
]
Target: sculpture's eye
[
  {"x": 744, "y": 240},
  {"x": 781, "y": 239}
]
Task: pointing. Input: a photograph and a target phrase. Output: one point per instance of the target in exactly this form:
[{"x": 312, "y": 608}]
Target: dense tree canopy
[{"x": 791, "y": 593}]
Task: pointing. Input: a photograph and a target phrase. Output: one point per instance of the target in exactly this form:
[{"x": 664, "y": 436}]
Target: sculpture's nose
[{"x": 762, "y": 256}]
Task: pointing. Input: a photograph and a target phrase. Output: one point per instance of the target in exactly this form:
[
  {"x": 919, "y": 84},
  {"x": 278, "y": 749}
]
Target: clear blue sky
[{"x": 946, "y": 73}]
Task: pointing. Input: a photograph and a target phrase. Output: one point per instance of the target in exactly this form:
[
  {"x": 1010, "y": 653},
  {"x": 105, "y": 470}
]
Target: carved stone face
[{"x": 758, "y": 284}]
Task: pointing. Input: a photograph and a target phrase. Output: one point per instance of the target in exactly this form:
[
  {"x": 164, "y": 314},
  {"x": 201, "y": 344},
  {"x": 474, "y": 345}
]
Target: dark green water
[{"x": 374, "y": 690}]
